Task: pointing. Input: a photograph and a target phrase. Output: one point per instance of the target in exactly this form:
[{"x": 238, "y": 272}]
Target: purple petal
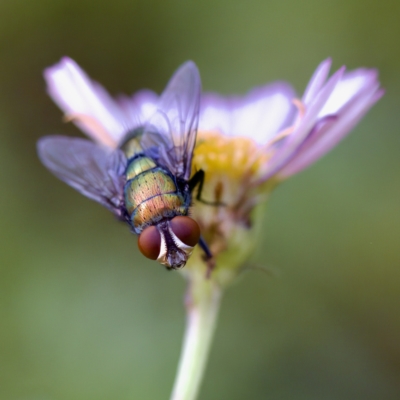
[
  {"x": 260, "y": 114},
  {"x": 317, "y": 80},
  {"x": 215, "y": 114},
  {"x": 351, "y": 84},
  {"x": 336, "y": 131},
  {"x": 77, "y": 95},
  {"x": 303, "y": 128},
  {"x": 138, "y": 108}
]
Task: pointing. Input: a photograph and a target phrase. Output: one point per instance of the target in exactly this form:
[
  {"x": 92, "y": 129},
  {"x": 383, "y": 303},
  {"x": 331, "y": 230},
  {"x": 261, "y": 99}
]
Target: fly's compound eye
[
  {"x": 186, "y": 229},
  {"x": 149, "y": 242}
]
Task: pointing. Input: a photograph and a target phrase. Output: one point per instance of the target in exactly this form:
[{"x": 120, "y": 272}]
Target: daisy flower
[{"x": 246, "y": 145}]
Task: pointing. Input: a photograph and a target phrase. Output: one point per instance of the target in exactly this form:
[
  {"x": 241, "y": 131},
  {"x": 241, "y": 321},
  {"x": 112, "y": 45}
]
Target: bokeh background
[{"x": 84, "y": 316}]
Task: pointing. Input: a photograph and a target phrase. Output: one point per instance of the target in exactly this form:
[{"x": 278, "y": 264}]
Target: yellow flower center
[
  {"x": 232, "y": 166},
  {"x": 236, "y": 158}
]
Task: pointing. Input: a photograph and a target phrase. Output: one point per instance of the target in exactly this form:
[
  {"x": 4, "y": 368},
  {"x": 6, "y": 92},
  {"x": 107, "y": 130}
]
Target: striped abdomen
[{"x": 150, "y": 193}]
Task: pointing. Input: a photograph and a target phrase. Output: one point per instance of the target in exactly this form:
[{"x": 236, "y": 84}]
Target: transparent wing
[
  {"x": 96, "y": 172},
  {"x": 170, "y": 135}
]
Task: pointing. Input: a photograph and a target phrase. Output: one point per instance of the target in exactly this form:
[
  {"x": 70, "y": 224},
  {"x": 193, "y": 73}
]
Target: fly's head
[{"x": 170, "y": 242}]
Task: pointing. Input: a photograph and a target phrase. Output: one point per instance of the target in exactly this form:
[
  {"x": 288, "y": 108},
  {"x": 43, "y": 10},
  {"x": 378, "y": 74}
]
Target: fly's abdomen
[
  {"x": 145, "y": 186},
  {"x": 150, "y": 194},
  {"x": 156, "y": 209}
]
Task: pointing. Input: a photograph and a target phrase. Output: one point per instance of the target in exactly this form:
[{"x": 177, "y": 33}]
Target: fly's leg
[
  {"x": 207, "y": 257},
  {"x": 198, "y": 179},
  {"x": 204, "y": 246}
]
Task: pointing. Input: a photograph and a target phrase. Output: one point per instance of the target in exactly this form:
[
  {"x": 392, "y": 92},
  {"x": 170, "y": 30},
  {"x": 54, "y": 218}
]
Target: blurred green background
[{"x": 84, "y": 316}]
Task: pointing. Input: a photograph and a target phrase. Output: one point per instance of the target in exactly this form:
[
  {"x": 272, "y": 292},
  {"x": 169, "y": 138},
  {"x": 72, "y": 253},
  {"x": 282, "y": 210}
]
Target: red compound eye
[
  {"x": 186, "y": 229},
  {"x": 149, "y": 242}
]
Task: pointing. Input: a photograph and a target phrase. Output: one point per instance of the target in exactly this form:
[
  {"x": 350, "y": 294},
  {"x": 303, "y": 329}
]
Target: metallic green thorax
[{"x": 151, "y": 193}]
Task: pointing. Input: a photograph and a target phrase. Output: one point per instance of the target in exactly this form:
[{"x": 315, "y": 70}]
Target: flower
[{"x": 246, "y": 145}]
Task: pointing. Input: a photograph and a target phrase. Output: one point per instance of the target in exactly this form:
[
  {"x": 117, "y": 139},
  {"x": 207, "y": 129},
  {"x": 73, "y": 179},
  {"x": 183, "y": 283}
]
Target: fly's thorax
[{"x": 131, "y": 146}]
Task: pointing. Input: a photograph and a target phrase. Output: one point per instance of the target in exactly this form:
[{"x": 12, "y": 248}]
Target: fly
[{"x": 146, "y": 180}]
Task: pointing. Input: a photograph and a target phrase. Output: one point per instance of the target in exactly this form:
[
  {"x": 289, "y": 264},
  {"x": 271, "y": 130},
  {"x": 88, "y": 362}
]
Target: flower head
[{"x": 245, "y": 145}]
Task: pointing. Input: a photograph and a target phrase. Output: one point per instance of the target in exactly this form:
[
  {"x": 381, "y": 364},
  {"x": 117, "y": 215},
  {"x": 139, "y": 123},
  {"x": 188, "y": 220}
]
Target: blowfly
[{"x": 146, "y": 181}]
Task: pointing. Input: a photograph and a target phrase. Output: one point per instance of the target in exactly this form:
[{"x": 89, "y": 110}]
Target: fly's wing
[
  {"x": 96, "y": 172},
  {"x": 170, "y": 135}
]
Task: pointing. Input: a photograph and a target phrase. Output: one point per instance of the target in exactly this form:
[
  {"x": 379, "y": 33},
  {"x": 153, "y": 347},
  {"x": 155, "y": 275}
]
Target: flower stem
[{"x": 202, "y": 305}]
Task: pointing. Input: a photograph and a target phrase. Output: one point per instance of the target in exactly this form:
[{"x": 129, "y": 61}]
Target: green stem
[{"x": 202, "y": 305}]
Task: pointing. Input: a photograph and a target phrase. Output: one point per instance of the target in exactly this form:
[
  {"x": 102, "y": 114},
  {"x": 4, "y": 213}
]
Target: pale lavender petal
[
  {"x": 215, "y": 114},
  {"x": 264, "y": 112},
  {"x": 260, "y": 114},
  {"x": 303, "y": 128},
  {"x": 138, "y": 108},
  {"x": 336, "y": 131},
  {"x": 317, "y": 80},
  {"x": 77, "y": 95},
  {"x": 351, "y": 84}
]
